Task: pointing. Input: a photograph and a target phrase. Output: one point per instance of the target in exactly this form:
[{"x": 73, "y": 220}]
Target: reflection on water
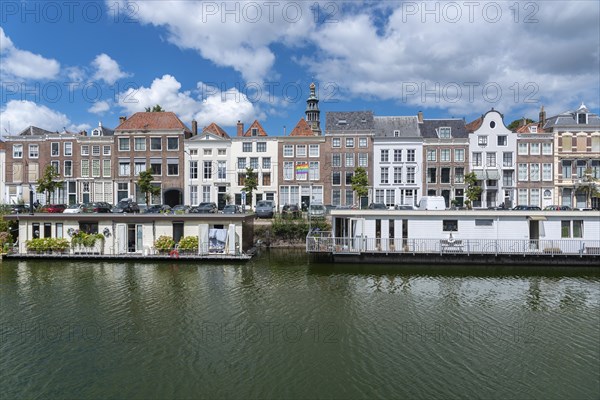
[{"x": 281, "y": 327}]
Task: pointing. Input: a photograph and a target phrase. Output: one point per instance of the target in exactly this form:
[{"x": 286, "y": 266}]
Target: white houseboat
[{"x": 469, "y": 236}]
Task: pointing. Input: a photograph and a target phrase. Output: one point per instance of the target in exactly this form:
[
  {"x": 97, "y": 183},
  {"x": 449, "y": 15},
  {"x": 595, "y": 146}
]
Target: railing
[{"x": 323, "y": 243}]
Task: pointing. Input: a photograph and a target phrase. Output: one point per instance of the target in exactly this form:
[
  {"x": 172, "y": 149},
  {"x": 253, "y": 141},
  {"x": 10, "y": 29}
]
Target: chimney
[
  {"x": 122, "y": 119},
  {"x": 420, "y": 116},
  {"x": 240, "y": 128},
  {"x": 194, "y": 127},
  {"x": 542, "y": 120},
  {"x": 524, "y": 122}
]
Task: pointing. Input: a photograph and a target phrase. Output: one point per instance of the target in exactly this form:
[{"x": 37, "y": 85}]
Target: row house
[
  {"x": 535, "y": 182},
  {"x": 2, "y": 169},
  {"x": 397, "y": 160},
  {"x": 446, "y": 158},
  {"x": 155, "y": 141},
  {"x": 254, "y": 149},
  {"x": 492, "y": 147},
  {"x": 93, "y": 167},
  {"x": 348, "y": 145},
  {"x": 576, "y": 156}
]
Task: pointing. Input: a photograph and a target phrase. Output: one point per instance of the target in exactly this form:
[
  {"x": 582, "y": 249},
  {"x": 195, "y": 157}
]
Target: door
[
  {"x": 177, "y": 231},
  {"x": 534, "y": 234},
  {"x": 131, "y": 238},
  {"x": 121, "y": 239}
]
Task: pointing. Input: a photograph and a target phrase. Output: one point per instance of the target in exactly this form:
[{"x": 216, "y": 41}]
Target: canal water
[{"x": 280, "y": 327}]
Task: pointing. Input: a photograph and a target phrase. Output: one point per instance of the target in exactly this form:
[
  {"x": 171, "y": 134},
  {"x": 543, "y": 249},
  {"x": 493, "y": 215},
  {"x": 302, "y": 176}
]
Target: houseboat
[
  {"x": 460, "y": 237},
  {"x": 223, "y": 236}
]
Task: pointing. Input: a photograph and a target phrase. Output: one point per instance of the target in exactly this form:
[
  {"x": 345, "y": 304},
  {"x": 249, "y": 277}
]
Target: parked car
[
  {"x": 265, "y": 209},
  {"x": 205, "y": 208},
  {"x": 432, "y": 203},
  {"x": 523, "y": 207},
  {"x": 97, "y": 207},
  {"x": 232, "y": 209},
  {"x": 317, "y": 211},
  {"x": 126, "y": 206},
  {"x": 19, "y": 208},
  {"x": 180, "y": 209},
  {"x": 557, "y": 208},
  {"x": 291, "y": 211},
  {"x": 74, "y": 209},
  {"x": 158, "y": 209},
  {"x": 377, "y": 206},
  {"x": 403, "y": 207},
  {"x": 53, "y": 208}
]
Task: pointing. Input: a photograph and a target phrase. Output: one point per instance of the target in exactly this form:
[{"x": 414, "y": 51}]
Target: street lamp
[{"x": 30, "y": 199}]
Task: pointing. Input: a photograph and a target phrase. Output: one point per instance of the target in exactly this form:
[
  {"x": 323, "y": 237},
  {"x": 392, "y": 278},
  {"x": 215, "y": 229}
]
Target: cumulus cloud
[
  {"x": 18, "y": 63},
  {"x": 99, "y": 107},
  {"x": 18, "y": 115},
  {"x": 107, "y": 69}
]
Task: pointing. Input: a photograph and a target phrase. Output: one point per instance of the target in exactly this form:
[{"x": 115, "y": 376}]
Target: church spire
[{"x": 312, "y": 111}]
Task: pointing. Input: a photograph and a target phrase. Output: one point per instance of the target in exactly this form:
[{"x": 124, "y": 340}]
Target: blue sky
[{"x": 70, "y": 64}]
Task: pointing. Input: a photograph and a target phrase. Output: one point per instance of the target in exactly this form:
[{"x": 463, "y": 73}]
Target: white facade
[
  {"x": 492, "y": 149},
  {"x": 3, "y": 194}
]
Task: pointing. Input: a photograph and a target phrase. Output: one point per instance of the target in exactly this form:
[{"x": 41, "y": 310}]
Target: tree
[
  {"x": 49, "y": 182},
  {"x": 589, "y": 186},
  {"x": 146, "y": 186},
  {"x": 513, "y": 126},
  {"x": 473, "y": 191},
  {"x": 250, "y": 184},
  {"x": 156, "y": 108},
  {"x": 360, "y": 182}
]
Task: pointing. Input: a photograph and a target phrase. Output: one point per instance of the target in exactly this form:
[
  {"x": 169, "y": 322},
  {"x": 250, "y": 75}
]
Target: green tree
[
  {"x": 156, "y": 108},
  {"x": 49, "y": 182},
  {"x": 360, "y": 182},
  {"x": 146, "y": 186},
  {"x": 513, "y": 126},
  {"x": 473, "y": 191},
  {"x": 589, "y": 186},
  {"x": 250, "y": 184}
]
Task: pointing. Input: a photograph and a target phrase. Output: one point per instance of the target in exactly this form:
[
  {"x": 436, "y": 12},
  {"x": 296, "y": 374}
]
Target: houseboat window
[
  {"x": 565, "y": 229},
  {"x": 450, "y": 225},
  {"x": 578, "y": 229},
  {"x": 59, "y": 230},
  {"x": 88, "y": 227},
  {"x": 35, "y": 230},
  {"x": 47, "y": 230},
  {"x": 484, "y": 222}
]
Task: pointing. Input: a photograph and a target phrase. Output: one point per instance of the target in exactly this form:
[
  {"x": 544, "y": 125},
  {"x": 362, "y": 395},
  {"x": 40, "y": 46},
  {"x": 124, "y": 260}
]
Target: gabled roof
[
  {"x": 474, "y": 125},
  {"x": 258, "y": 126},
  {"x": 340, "y": 122},
  {"x": 34, "y": 130},
  {"x": 153, "y": 121},
  {"x": 388, "y": 126},
  {"x": 527, "y": 128},
  {"x": 429, "y": 127},
  {"x": 215, "y": 130},
  {"x": 302, "y": 129}
]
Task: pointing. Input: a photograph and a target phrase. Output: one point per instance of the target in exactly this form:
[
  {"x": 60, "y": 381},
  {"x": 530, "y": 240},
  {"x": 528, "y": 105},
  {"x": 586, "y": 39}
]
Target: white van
[{"x": 431, "y": 203}]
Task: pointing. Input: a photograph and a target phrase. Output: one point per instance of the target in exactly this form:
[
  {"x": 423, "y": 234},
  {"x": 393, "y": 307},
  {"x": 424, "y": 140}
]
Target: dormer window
[
  {"x": 254, "y": 131},
  {"x": 582, "y": 118},
  {"x": 533, "y": 129},
  {"x": 396, "y": 133},
  {"x": 364, "y": 120},
  {"x": 342, "y": 122},
  {"x": 445, "y": 132},
  {"x": 96, "y": 132}
]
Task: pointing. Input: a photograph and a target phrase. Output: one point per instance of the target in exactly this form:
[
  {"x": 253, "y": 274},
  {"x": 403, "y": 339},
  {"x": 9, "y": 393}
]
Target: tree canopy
[
  {"x": 146, "y": 186},
  {"x": 250, "y": 184},
  {"x": 156, "y": 108},
  {"x": 48, "y": 182},
  {"x": 360, "y": 182}
]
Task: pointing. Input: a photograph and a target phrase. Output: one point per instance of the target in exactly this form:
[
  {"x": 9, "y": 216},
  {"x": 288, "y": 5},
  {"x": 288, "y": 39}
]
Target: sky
[{"x": 74, "y": 64}]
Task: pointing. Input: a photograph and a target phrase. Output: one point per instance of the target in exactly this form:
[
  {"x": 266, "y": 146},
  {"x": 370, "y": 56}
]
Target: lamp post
[{"x": 30, "y": 199}]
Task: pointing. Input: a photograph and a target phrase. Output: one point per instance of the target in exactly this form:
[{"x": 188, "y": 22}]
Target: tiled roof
[
  {"x": 526, "y": 128},
  {"x": 429, "y": 127},
  {"x": 215, "y": 130},
  {"x": 474, "y": 125},
  {"x": 387, "y": 126},
  {"x": 302, "y": 129},
  {"x": 153, "y": 121},
  {"x": 34, "y": 130},
  {"x": 257, "y": 125},
  {"x": 569, "y": 119},
  {"x": 340, "y": 122}
]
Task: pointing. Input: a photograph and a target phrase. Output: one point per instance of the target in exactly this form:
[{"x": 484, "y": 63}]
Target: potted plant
[
  {"x": 189, "y": 244},
  {"x": 164, "y": 244}
]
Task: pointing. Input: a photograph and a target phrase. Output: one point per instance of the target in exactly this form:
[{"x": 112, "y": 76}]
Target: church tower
[{"x": 312, "y": 111}]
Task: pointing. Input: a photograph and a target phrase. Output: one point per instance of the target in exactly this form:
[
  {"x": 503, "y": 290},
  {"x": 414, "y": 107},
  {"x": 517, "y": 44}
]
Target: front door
[{"x": 534, "y": 233}]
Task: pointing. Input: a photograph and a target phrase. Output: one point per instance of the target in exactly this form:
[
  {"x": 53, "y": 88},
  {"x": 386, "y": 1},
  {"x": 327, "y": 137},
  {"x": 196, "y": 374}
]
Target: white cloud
[
  {"x": 99, "y": 107},
  {"x": 107, "y": 69},
  {"x": 18, "y": 115},
  {"x": 24, "y": 64}
]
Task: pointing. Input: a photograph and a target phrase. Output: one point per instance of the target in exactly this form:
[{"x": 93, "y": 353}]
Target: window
[
  {"x": 596, "y": 169},
  {"x": 349, "y": 142},
  {"x": 68, "y": 149},
  {"x": 507, "y": 178},
  {"x": 349, "y": 176},
  {"x": 507, "y": 159},
  {"x": 410, "y": 155},
  {"x": 565, "y": 229},
  {"x": 336, "y": 178},
  {"x": 336, "y": 160},
  {"x": 106, "y": 150},
  {"x": 578, "y": 228},
  {"x": 261, "y": 147},
  {"x": 502, "y": 140},
  {"x": 156, "y": 144},
  {"x": 547, "y": 172},
  {"x": 96, "y": 168},
  {"x": 241, "y": 163},
  {"x": 397, "y": 155},
  {"x": 254, "y": 163},
  {"x": 301, "y": 170},
  {"x": 482, "y": 141},
  {"x": 85, "y": 168},
  {"x": 385, "y": 177},
  {"x": 490, "y": 159},
  {"x": 431, "y": 155},
  {"x": 459, "y": 175},
  {"x": 123, "y": 144},
  {"x": 139, "y": 167},
  {"x": 96, "y": 150},
  {"x": 172, "y": 143},
  {"x": 476, "y": 159},
  {"x": 581, "y": 167},
  {"x": 247, "y": 147},
  {"x": 313, "y": 150},
  {"x": 207, "y": 170},
  {"x": 139, "y": 144},
  {"x": 349, "y": 197},
  {"x": 266, "y": 163},
  {"x": 69, "y": 168},
  {"x": 54, "y": 149},
  {"x": 534, "y": 172},
  {"x": 301, "y": 150},
  {"x": 566, "y": 169},
  {"x": 85, "y": 150},
  {"x": 56, "y": 166},
  {"x": 445, "y": 175},
  {"x": 535, "y": 149},
  {"x": 445, "y": 155},
  {"x": 547, "y": 149},
  {"x": 313, "y": 171},
  {"x": 288, "y": 150},
  {"x": 254, "y": 131},
  {"x": 17, "y": 151},
  {"x": 122, "y": 191},
  {"x": 349, "y": 160},
  {"x": 410, "y": 175},
  {"x": 222, "y": 170},
  {"x": 206, "y": 152},
  {"x": 172, "y": 168},
  {"x": 266, "y": 179},
  {"x": 397, "y": 174},
  {"x": 106, "y": 168},
  {"x": 336, "y": 197},
  {"x": 522, "y": 172},
  {"x": 363, "y": 159},
  {"x": 444, "y": 132},
  {"x": 450, "y": 225},
  {"x": 156, "y": 168},
  {"x": 288, "y": 170},
  {"x": 431, "y": 175},
  {"x": 193, "y": 194},
  {"x": 484, "y": 222},
  {"x": 385, "y": 156},
  {"x": 522, "y": 149},
  {"x": 34, "y": 150},
  {"x": 124, "y": 168},
  {"x": 535, "y": 197},
  {"x": 362, "y": 142},
  {"x": 567, "y": 143},
  {"x": 222, "y": 152},
  {"x": 193, "y": 169},
  {"x": 335, "y": 142}
]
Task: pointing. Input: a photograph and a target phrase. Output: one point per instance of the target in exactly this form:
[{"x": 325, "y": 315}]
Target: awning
[
  {"x": 493, "y": 174},
  {"x": 537, "y": 218},
  {"x": 480, "y": 175}
]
